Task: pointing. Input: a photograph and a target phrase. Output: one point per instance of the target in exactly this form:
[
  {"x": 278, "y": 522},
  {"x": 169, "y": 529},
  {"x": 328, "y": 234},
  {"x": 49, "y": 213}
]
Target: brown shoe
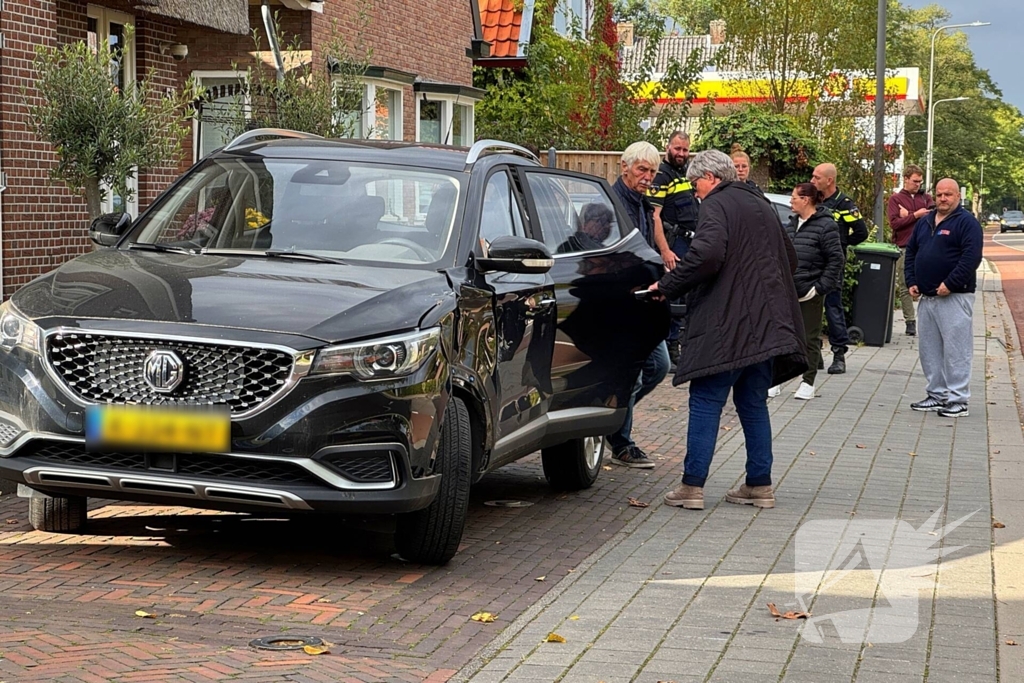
[
  {"x": 759, "y": 496},
  {"x": 686, "y": 497}
]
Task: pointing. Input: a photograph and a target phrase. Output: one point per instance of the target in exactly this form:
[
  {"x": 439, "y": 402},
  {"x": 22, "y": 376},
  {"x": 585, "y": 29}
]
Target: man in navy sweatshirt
[{"x": 942, "y": 256}]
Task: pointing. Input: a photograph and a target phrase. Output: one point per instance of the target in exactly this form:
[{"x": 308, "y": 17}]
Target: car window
[
  {"x": 344, "y": 210},
  {"x": 575, "y": 214},
  {"x": 1013, "y": 215},
  {"x": 785, "y": 212},
  {"x": 500, "y": 215}
]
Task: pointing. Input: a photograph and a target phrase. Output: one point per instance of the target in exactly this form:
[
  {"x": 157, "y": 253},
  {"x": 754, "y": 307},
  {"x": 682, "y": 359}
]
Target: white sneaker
[
  {"x": 805, "y": 392},
  {"x": 774, "y": 391}
]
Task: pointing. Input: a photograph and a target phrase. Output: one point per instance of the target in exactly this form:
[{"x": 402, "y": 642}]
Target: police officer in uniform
[
  {"x": 852, "y": 231},
  {"x": 675, "y": 214}
]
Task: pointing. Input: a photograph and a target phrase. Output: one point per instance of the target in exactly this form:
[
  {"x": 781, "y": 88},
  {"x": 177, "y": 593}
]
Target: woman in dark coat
[
  {"x": 820, "y": 257},
  {"x": 744, "y": 331}
]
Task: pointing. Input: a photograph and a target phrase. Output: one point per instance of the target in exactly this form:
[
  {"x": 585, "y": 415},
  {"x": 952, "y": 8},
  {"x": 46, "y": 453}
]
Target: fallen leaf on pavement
[
  {"x": 1012, "y": 642},
  {"x": 12, "y": 521},
  {"x": 726, "y": 428},
  {"x": 554, "y": 638},
  {"x": 316, "y": 649},
  {"x": 996, "y": 452},
  {"x": 144, "y": 615},
  {"x": 541, "y": 578},
  {"x": 911, "y": 454},
  {"x": 633, "y": 502},
  {"x": 607, "y": 467},
  {"x": 860, "y": 445},
  {"x": 788, "y": 615},
  {"x": 483, "y": 617},
  {"x": 574, "y": 617},
  {"x": 323, "y": 600},
  {"x": 998, "y": 525},
  {"x": 812, "y": 452}
]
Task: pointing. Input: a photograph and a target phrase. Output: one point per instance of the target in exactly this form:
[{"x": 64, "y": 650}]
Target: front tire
[
  {"x": 574, "y": 465},
  {"x": 432, "y": 535},
  {"x": 59, "y": 514}
]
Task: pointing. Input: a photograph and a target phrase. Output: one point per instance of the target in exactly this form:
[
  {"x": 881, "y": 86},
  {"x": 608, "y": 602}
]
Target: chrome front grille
[{"x": 108, "y": 369}]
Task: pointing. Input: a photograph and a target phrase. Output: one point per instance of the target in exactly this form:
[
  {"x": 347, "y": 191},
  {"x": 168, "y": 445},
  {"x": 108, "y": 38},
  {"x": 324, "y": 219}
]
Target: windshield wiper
[
  {"x": 150, "y": 246},
  {"x": 291, "y": 253}
]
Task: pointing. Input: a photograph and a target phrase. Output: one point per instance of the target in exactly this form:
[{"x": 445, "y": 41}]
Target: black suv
[{"x": 300, "y": 324}]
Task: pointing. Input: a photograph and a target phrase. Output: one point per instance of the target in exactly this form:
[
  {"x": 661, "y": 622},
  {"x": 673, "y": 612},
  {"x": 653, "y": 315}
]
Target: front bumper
[{"x": 330, "y": 444}]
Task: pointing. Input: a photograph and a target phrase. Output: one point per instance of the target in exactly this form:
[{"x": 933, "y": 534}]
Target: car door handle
[{"x": 544, "y": 303}]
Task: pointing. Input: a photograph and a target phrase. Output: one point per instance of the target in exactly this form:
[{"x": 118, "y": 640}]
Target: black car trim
[
  {"x": 302, "y": 361},
  {"x": 179, "y": 488},
  {"x": 529, "y": 436},
  {"x": 598, "y": 252},
  {"x": 310, "y": 464}
]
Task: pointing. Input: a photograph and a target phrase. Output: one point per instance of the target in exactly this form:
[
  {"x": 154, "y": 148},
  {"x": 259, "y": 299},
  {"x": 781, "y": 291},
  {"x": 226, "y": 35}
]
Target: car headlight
[
  {"x": 16, "y": 330},
  {"x": 378, "y": 358}
]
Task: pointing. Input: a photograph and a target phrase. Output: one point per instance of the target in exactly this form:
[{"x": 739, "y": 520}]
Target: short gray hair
[
  {"x": 641, "y": 151},
  {"x": 714, "y": 162}
]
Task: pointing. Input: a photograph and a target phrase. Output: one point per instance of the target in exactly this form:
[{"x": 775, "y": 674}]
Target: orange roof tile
[{"x": 502, "y": 26}]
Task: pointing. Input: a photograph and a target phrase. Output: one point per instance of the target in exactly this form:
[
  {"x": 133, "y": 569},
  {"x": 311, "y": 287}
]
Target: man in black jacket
[
  {"x": 744, "y": 329},
  {"x": 637, "y": 166},
  {"x": 852, "y": 231}
]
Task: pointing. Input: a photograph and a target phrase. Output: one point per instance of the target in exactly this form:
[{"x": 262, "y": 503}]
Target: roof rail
[
  {"x": 252, "y": 135},
  {"x": 479, "y": 147}
]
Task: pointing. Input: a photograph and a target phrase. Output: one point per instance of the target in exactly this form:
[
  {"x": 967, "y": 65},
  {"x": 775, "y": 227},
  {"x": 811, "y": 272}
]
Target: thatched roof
[{"x": 230, "y": 16}]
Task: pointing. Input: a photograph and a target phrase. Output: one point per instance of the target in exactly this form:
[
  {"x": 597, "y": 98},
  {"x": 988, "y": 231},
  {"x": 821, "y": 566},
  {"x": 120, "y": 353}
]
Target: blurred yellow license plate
[{"x": 186, "y": 430}]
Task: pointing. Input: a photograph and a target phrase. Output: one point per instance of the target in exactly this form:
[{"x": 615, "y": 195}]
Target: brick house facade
[{"x": 420, "y": 67}]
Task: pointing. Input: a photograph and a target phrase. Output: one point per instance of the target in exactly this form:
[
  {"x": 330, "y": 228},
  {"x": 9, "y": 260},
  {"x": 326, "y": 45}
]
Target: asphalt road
[{"x": 1006, "y": 251}]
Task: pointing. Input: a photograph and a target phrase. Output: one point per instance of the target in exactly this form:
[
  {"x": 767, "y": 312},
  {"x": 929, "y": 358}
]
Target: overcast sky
[{"x": 994, "y": 46}]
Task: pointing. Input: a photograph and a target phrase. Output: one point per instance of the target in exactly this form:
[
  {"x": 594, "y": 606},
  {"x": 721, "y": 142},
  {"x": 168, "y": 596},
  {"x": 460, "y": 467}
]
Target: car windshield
[
  {"x": 334, "y": 209},
  {"x": 1013, "y": 215}
]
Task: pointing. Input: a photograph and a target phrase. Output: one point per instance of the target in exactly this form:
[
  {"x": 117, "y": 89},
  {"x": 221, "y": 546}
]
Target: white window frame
[
  {"x": 104, "y": 18},
  {"x": 199, "y": 76},
  {"x": 565, "y": 10},
  {"x": 366, "y": 112},
  {"x": 448, "y": 103}
]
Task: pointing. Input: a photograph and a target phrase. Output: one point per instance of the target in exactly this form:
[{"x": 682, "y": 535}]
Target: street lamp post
[
  {"x": 931, "y": 132},
  {"x": 931, "y": 85}
]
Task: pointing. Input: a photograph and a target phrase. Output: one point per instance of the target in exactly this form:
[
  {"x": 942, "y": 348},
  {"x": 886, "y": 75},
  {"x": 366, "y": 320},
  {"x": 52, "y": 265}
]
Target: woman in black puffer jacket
[{"x": 815, "y": 237}]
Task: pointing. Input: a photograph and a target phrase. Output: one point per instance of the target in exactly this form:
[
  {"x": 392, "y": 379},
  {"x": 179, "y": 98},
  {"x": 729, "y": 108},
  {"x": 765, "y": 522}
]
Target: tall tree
[{"x": 792, "y": 47}]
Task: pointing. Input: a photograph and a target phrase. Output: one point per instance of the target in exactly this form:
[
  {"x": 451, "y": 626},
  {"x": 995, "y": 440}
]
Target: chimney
[
  {"x": 624, "y": 33},
  {"x": 717, "y": 30}
]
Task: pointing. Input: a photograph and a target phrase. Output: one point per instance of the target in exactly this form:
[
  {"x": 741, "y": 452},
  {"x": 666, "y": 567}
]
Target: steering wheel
[{"x": 421, "y": 252}]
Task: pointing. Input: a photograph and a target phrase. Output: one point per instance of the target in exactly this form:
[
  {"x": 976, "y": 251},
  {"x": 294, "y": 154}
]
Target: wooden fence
[{"x": 602, "y": 164}]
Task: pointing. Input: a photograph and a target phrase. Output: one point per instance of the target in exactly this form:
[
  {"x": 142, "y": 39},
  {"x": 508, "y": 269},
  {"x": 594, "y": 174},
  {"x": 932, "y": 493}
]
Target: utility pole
[{"x": 879, "y": 213}]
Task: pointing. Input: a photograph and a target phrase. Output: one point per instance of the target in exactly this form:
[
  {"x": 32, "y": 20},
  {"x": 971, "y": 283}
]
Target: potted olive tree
[{"x": 103, "y": 134}]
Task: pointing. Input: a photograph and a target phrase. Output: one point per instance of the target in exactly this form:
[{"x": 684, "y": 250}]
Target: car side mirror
[
  {"x": 105, "y": 230},
  {"x": 509, "y": 254}
]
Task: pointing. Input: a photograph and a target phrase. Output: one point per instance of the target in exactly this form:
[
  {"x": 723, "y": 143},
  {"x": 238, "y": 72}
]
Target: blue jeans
[
  {"x": 838, "y": 338},
  {"x": 707, "y": 398},
  {"x": 654, "y": 370}
]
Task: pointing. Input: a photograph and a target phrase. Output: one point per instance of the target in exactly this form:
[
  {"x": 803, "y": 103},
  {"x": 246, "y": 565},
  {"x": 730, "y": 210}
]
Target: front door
[
  {"x": 604, "y": 334},
  {"x": 524, "y": 322}
]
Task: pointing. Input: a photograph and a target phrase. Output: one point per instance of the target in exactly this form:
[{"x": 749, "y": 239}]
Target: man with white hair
[
  {"x": 638, "y": 166},
  {"x": 744, "y": 331},
  {"x": 943, "y": 254}
]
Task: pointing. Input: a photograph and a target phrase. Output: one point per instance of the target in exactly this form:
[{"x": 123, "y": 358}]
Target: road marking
[{"x": 1010, "y": 241}]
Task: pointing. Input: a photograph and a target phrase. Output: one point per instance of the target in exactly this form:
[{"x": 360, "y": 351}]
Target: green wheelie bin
[{"x": 874, "y": 294}]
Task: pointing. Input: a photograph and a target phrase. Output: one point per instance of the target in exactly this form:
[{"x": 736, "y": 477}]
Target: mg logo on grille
[{"x": 163, "y": 371}]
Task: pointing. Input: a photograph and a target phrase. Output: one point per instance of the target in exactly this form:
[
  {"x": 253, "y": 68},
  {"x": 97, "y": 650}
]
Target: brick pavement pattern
[
  {"x": 681, "y": 595},
  {"x": 661, "y": 594}
]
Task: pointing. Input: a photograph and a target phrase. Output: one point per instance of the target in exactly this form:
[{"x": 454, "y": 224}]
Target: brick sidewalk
[{"x": 681, "y": 595}]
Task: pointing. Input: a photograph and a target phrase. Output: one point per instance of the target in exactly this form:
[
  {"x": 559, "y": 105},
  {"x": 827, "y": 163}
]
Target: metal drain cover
[
  {"x": 508, "y": 503},
  {"x": 285, "y": 642}
]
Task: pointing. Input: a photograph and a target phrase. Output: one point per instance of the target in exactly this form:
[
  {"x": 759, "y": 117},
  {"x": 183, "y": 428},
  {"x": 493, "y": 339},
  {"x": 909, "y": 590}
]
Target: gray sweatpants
[{"x": 946, "y": 344}]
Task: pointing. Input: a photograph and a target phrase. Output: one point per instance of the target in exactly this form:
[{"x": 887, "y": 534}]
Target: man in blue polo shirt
[{"x": 942, "y": 256}]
